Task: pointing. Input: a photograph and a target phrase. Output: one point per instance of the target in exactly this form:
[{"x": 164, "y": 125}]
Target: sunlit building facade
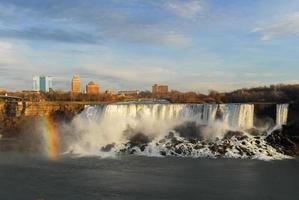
[
  {"x": 92, "y": 88},
  {"x": 76, "y": 87},
  {"x": 159, "y": 89}
]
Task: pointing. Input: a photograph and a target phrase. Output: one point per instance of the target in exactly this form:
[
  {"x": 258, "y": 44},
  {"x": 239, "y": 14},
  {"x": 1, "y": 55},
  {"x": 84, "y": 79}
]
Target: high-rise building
[
  {"x": 92, "y": 88},
  {"x": 159, "y": 89},
  {"x": 76, "y": 84},
  {"x": 42, "y": 83}
]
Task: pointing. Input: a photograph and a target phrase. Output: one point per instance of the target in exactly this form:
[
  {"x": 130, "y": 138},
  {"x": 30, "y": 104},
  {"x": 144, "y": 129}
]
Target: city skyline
[
  {"x": 192, "y": 45},
  {"x": 45, "y": 84}
]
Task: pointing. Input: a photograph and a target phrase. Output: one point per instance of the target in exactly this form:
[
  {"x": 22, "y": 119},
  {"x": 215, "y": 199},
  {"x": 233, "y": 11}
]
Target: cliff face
[
  {"x": 2, "y": 115},
  {"x": 264, "y": 113},
  {"x": 17, "y": 109},
  {"x": 53, "y": 108},
  {"x": 20, "y": 122},
  {"x": 293, "y": 115}
]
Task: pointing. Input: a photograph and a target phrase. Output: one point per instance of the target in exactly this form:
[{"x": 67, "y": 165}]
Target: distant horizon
[{"x": 190, "y": 45}]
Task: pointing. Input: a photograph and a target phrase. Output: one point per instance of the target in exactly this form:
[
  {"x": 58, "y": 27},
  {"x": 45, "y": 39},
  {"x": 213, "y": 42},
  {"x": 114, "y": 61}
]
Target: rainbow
[{"x": 51, "y": 138}]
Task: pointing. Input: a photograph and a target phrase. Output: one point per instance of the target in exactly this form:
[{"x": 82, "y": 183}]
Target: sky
[{"x": 191, "y": 45}]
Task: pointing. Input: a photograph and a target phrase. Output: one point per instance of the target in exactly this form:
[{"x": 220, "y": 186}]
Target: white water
[
  {"x": 238, "y": 115},
  {"x": 234, "y": 115},
  {"x": 117, "y": 123},
  {"x": 282, "y": 114}
]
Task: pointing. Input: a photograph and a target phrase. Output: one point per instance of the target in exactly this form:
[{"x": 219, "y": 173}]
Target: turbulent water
[{"x": 184, "y": 130}]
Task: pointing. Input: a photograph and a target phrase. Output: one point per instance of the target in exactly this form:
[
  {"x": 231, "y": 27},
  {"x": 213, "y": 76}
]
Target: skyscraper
[
  {"x": 42, "y": 83},
  {"x": 76, "y": 84}
]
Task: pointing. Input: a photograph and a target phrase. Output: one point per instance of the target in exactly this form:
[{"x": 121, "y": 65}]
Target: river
[{"x": 135, "y": 177}]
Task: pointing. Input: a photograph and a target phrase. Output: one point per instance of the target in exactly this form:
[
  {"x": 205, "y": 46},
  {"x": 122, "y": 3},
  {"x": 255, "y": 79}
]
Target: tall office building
[
  {"x": 76, "y": 84},
  {"x": 42, "y": 83},
  {"x": 92, "y": 88}
]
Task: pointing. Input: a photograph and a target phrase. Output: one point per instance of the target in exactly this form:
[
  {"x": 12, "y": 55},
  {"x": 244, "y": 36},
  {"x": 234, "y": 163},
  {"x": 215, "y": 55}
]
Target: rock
[
  {"x": 246, "y": 151},
  {"x": 254, "y": 132},
  {"x": 142, "y": 148},
  {"x": 193, "y": 140},
  {"x": 139, "y": 140},
  {"x": 222, "y": 150},
  {"x": 108, "y": 147},
  {"x": 190, "y": 130},
  {"x": 242, "y": 137},
  {"x": 178, "y": 150},
  {"x": 257, "y": 142},
  {"x": 285, "y": 140},
  {"x": 175, "y": 141},
  {"x": 162, "y": 141},
  {"x": 198, "y": 147},
  {"x": 230, "y": 134}
]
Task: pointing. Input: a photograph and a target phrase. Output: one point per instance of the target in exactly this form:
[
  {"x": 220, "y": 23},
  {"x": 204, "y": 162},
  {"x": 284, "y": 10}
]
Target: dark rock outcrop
[
  {"x": 190, "y": 130},
  {"x": 286, "y": 140}
]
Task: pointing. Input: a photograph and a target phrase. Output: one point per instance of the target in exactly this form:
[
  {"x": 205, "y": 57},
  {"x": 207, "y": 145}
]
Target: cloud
[
  {"x": 126, "y": 76},
  {"x": 288, "y": 25},
  {"x": 187, "y": 9},
  {"x": 151, "y": 35},
  {"x": 15, "y": 69},
  {"x": 46, "y": 34},
  {"x": 92, "y": 22}
]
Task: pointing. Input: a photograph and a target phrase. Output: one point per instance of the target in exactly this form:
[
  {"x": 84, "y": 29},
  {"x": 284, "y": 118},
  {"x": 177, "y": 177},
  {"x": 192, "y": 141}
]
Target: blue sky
[{"x": 191, "y": 45}]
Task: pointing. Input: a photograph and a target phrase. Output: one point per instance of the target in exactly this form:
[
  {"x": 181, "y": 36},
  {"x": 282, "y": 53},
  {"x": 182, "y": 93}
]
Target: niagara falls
[
  {"x": 149, "y": 99},
  {"x": 184, "y": 130}
]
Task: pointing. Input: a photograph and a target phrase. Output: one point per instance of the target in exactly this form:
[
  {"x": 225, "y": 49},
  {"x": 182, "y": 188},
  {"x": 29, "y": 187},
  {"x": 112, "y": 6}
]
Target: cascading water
[
  {"x": 235, "y": 115},
  {"x": 238, "y": 115},
  {"x": 282, "y": 114},
  {"x": 195, "y": 130}
]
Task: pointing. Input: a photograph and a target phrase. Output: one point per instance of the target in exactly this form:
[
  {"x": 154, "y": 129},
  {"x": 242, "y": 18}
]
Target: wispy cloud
[
  {"x": 288, "y": 25},
  {"x": 187, "y": 9},
  {"x": 133, "y": 77},
  {"x": 46, "y": 34},
  {"x": 90, "y": 23}
]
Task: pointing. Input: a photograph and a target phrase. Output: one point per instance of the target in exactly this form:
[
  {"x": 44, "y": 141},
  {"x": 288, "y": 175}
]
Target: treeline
[
  {"x": 68, "y": 96},
  {"x": 64, "y": 96},
  {"x": 272, "y": 94},
  {"x": 268, "y": 94},
  {"x": 184, "y": 97}
]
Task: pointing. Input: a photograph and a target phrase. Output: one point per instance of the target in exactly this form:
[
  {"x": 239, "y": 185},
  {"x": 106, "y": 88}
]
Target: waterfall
[
  {"x": 238, "y": 115},
  {"x": 234, "y": 115},
  {"x": 193, "y": 130},
  {"x": 282, "y": 114}
]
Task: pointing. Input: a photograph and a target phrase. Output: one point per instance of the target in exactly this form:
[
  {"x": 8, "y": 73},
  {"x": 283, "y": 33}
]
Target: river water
[{"x": 136, "y": 177}]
